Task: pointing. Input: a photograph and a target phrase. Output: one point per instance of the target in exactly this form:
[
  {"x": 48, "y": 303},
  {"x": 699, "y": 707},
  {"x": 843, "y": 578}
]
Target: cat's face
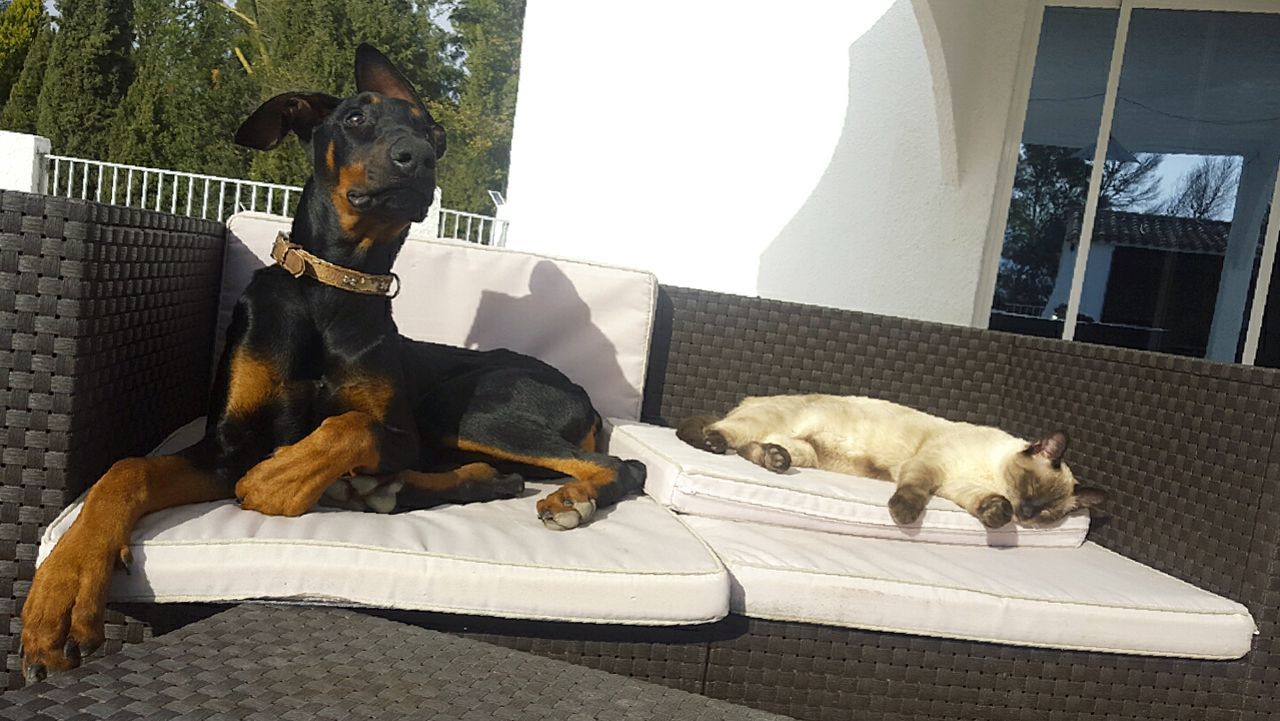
[{"x": 1041, "y": 486}]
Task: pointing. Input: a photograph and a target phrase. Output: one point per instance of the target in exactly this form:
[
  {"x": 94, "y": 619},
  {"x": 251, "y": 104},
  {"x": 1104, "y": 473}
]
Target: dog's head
[{"x": 374, "y": 153}]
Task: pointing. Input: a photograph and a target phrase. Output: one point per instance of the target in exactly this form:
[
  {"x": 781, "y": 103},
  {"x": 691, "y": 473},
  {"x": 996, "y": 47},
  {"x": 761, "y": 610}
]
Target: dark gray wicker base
[
  {"x": 107, "y": 320},
  {"x": 263, "y": 663}
]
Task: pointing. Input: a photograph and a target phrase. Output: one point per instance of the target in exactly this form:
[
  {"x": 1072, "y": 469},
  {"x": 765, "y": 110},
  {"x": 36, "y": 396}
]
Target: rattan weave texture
[
  {"x": 724, "y": 347},
  {"x": 1189, "y": 449},
  {"x": 673, "y": 656},
  {"x": 264, "y": 663},
  {"x": 106, "y": 318},
  {"x": 1183, "y": 448}
]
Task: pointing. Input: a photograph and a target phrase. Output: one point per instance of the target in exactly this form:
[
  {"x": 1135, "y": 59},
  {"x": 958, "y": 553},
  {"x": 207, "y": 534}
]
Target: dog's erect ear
[
  {"x": 296, "y": 112},
  {"x": 376, "y": 74}
]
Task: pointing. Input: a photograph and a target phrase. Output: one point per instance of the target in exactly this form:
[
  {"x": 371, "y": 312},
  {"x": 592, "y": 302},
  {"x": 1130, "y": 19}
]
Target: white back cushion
[{"x": 592, "y": 322}]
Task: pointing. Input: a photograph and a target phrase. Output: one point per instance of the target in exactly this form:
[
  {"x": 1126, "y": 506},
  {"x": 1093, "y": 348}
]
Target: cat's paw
[
  {"x": 776, "y": 458},
  {"x": 906, "y": 505},
  {"x": 694, "y": 432},
  {"x": 994, "y": 511},
  {"x": 768, "y": 455}
]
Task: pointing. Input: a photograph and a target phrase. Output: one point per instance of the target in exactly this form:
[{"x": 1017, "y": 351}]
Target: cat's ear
[
  {"x": 1088, "y": 496},
  {"x": 1052, "y": 446}
]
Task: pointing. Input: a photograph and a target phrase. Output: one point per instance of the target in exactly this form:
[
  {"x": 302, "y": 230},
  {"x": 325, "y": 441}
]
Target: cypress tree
[
  {"x": 189, "y": 93},
  {"x": 20, "y": 22},
  {"x": 88, "y": 72},
  {"x": 313, "y": 42},
  {"x": 480, "y": 124},
  {"x": 19, "y": 114}
]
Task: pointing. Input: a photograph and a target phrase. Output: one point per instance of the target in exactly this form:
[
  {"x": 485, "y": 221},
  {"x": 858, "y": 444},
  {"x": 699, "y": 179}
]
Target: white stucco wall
[
  {"x": 23, "y": 166},
  {"x": 697, "y": 140}
]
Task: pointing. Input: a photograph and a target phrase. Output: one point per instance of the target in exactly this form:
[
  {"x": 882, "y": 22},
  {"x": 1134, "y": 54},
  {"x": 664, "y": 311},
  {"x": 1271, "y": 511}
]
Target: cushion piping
[
  {"x": 1001, "y": 641},
  {"x": 993, "y": 594}
]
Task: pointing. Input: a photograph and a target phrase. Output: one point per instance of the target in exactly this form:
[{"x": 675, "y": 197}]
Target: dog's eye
[{"x": 355, "y": 119}]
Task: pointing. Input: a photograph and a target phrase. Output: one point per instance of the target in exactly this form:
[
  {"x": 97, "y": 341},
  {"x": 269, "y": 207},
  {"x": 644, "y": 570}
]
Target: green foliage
[
  {"x": 479, "y": 126},
  {"x": 19, "y": 113},
  {"x": 165, "y": 83},
  {"x": 190, "y": 93},
  {"x": 88, "y": 72},
  {"x": 20, "y": 22},
  {"x": 312, "y": 44}
]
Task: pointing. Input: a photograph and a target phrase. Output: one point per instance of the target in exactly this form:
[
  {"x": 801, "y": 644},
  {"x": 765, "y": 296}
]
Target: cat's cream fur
[{"x": 992, "y": 474}]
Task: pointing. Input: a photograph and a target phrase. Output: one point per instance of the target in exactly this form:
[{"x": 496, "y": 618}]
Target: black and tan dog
[{"x": 316, "y": 384}]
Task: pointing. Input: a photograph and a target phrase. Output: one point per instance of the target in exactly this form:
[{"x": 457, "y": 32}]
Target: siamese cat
[{"x": 994, "y": 476}]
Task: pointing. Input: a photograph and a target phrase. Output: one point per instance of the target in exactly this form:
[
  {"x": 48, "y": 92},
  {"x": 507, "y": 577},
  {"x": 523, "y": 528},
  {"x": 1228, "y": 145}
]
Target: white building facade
[{"x": 852, "y": 154}]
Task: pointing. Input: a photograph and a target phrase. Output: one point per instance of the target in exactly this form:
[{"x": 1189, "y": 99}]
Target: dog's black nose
[
  {"x": 407, "y": 154},
  {"x": 1028, "y": 509}
]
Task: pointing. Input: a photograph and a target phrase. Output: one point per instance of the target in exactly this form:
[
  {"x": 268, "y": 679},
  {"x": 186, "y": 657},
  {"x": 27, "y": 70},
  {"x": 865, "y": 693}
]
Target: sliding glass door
[{"x": 1158, "y": 239}]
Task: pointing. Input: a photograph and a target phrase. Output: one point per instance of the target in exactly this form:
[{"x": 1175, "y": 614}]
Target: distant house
[{"x": 1148, "y": 274}]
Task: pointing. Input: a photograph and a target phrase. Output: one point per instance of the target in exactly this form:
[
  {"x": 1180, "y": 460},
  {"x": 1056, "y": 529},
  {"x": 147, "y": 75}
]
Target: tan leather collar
[{"x": 299, "y": 262}]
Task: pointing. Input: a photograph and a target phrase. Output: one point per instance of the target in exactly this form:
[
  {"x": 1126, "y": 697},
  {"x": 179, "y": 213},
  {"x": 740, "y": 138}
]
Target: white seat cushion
[
  {"x": 592, "y": 322},
  {"x": 1085, "y": 598},
  {"x": 690, "y": 480},
  {"x": 634, "y": 564}
]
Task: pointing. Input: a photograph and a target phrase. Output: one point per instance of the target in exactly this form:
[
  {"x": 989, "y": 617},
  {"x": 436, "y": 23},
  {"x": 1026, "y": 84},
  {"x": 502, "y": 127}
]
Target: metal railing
[
  {"x": 216, "y": 198},
  {"x": 1034, "y": 311},
  {"x": 173, "y": 191},
  {"x": 472, "y": 227}
]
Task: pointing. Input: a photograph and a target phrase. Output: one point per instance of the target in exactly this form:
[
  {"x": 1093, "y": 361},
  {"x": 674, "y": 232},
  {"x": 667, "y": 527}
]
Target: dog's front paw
[
  {"x": 278, "y": 487},
  {"x": 363, "y": 493},
  {"x": 569, "y": 507},
  {"x": 994, "y": 511},
  {"x": 62, "y": 618}
]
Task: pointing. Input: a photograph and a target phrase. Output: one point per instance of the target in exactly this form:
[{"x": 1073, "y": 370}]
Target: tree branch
[
  {"x": 243, "y": 61},
  {"x": 251, "y": 24}
]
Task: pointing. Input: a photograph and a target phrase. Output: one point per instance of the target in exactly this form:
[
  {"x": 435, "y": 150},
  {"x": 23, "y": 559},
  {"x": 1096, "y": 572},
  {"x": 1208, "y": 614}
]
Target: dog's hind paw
[
  {"x": 566, "y": 508},
  {"x": 575, "y": 516},
  {"x": 363, "y": 493}
]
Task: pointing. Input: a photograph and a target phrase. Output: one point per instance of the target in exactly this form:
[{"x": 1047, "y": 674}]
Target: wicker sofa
[{"x": 107, "y": 316}]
